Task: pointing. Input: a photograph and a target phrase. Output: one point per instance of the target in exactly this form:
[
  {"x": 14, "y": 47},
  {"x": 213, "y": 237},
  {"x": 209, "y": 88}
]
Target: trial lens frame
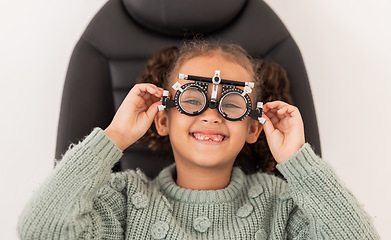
[{"x": 201, "y": 84}]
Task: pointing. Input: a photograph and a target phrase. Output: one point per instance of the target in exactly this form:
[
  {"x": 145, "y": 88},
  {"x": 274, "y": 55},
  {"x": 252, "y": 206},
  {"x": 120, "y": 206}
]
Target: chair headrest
[{"x": 177, "y": 17}]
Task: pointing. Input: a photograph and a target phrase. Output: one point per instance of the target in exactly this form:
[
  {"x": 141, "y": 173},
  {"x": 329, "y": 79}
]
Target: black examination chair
[{"x": 124, "y": 34}]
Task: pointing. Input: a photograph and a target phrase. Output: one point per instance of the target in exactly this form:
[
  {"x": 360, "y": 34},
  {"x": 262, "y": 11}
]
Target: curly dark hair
[{"x": 269, "y": 77}]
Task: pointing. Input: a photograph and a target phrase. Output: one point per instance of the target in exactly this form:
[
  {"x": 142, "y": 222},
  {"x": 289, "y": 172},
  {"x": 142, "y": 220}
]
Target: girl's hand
[
  {"x": 284, "y": 129},
  {"x": 135, "y": 115}
]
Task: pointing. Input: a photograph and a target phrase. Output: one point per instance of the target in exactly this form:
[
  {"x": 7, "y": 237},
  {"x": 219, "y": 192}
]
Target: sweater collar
[{"x": 170, "y": 189}]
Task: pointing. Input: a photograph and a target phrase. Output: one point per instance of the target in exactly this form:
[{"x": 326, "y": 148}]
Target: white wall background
[{"x": 345, "y": 46}]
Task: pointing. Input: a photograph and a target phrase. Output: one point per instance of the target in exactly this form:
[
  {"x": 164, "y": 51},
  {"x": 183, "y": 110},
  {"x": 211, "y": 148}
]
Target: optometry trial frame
[{"x": 234, "y": 104}]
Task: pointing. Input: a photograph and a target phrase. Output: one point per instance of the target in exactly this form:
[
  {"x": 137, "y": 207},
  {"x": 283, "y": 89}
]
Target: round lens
[
  {"x": 192, "y": 100},
  {"x": 233, "y": 105}
]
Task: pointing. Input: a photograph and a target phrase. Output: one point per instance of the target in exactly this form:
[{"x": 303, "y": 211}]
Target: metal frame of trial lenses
[
  {"x": 199, "y": 86},
  {"x": 203, "y": 88},
  {"x": 228, "y": 87}
]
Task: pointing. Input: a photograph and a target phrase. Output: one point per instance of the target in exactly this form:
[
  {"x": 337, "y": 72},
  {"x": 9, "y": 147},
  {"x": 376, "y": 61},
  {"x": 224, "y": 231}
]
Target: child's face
[{"x": 189, "y": 134}]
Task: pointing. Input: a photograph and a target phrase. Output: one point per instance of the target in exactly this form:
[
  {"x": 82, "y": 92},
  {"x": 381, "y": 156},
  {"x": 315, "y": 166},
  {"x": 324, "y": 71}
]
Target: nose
[{"x": 211, "y": 116}]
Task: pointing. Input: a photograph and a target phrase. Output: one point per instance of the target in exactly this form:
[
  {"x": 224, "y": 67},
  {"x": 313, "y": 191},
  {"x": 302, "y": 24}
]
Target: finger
[
  {"x": 143, "y": 88},
  {"x": 149, "y": 102},
  {"x": 266, "y": 109},
  {"x": 282, "y": 109},
  {"x": 268, "y": 126},
  {"x": 279, "y": 115},
  {"x": 160, "y": 89},
  {"x": 273, "y": 117},
  {"x": 283, "y": 112},
  {"x": 147, "y": 96},
  {"x": 155, "y": 99},
  {"x": 152, "y": 111},
  {"x": 155, "y": 91},
  {"x": 159, "y": 92},
  {"x": 274, "y": 106},
  {"x": 290, "y": 111},
  {"x": 146, "y": 99}
]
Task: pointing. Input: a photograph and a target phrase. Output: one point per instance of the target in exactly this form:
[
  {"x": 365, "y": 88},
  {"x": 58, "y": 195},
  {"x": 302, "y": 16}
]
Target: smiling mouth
[{"x": 209, "y": 137}]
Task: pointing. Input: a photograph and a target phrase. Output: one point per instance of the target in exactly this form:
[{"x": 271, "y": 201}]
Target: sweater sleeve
[
  {"x": 325, "y": 208},
  {"x": 68, "y": 205}
]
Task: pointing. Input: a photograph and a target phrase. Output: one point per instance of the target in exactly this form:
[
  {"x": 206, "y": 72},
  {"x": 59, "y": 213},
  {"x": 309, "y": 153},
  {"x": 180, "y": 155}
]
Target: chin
[{"x": 210, "y": 161}]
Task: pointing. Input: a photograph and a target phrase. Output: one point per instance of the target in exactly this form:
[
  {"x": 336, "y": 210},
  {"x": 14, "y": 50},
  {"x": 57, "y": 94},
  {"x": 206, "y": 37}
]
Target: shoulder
[
  {"x": 130, "y": 181},
  {"x": 270, "y": 186},
  {"x": 270, "y": 196},
  {"x": 131, "y": 188},
  {"x": 126, "y": 182}
]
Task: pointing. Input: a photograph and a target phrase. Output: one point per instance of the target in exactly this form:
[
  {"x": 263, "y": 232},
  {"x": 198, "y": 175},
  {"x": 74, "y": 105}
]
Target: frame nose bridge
[
  {"x": 211, "y": 115},
  {"x": 210, "y": 90}
]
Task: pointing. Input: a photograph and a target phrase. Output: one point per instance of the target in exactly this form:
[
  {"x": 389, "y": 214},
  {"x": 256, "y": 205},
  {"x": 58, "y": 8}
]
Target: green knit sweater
[{"x": 83, "y": 199}]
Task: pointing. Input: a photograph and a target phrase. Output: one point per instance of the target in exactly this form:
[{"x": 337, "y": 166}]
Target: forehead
[{"x": 206, "y": 65}]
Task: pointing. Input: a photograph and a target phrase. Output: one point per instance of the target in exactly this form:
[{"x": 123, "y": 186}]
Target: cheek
[
  {"x": 239, "y": 129},
  {"x": 177, "y": 123}
]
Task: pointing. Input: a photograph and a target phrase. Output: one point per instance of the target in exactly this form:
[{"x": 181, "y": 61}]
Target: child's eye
[
  {"x": 230, "y": 105},
  {"x": 193, "y": 102}
]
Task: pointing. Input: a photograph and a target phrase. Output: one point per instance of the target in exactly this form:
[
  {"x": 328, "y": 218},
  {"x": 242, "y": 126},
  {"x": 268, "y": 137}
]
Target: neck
[{"x": 201, "y": 178}]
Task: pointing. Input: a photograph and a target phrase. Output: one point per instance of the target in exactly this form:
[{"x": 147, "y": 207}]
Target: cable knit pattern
[{"x": 82, "y": 199}]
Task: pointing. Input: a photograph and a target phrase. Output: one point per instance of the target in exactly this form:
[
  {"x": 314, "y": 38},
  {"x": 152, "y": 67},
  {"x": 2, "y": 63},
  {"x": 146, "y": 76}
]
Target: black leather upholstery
[
  {"x": 176, "y": 18},
  {"x": 114, "y": 48}
]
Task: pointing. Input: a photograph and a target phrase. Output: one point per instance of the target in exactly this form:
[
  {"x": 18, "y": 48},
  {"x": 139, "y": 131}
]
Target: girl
[{"x": 202, "y": 195}]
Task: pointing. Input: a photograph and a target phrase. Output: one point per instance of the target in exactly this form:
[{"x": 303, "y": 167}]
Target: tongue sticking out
[{"x": 208, "y": 137}]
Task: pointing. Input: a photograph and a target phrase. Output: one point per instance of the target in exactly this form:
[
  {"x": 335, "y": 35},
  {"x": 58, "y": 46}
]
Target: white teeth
[{"x": 214, "y": 138}]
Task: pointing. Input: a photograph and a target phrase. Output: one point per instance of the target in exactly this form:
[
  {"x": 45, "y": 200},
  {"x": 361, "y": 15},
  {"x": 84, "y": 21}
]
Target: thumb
[
  {"x": 267, "y": 126},
  {"x": 153, "y": 110}
]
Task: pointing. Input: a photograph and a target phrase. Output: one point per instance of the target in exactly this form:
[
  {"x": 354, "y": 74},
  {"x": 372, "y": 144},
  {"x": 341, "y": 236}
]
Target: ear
[
  {"x": 253, "y": 131},
  {"x": 161, "y": 123}
]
